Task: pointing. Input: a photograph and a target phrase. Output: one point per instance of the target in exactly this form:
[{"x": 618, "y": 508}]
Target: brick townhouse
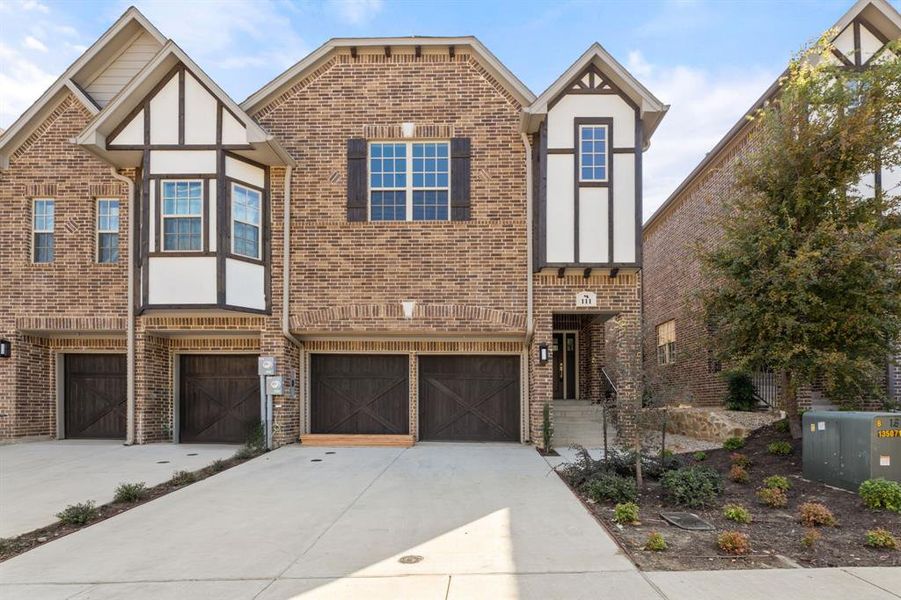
[
  {"x": 677, "y": 355},
  {"x": 428, "y": 250}
]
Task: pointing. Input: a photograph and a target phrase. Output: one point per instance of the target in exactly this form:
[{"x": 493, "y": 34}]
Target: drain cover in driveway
[
  {"x": 687, "y": 520},
  {"x": 410, "y": 559}
]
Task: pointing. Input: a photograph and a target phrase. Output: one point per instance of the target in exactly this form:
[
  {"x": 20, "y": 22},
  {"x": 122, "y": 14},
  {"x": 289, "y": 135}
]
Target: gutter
[
  {"x": 530, "y": 324},
  {"x": 130, "y": 327},
  {"x": 286, "y": 260}
]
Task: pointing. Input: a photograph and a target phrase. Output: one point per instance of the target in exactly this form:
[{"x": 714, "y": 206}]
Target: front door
[{"x": 564, "y": 356}]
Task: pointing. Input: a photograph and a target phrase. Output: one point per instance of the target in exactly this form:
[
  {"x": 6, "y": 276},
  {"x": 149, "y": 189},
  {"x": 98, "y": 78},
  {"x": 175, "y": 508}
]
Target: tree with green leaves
[{"x": 807, "y": 277}]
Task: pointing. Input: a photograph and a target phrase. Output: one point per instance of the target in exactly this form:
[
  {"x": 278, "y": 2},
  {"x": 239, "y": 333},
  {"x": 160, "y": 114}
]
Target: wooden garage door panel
[
  {"x": 469, "y": 398},
  {"x": 95, "y": 396},
  {"x": 359, "y": 394},
  {"x": 219, "y": 398}
]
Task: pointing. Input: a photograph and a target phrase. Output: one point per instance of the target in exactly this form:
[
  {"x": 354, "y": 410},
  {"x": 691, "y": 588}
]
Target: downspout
[
  {"x": 130, "y": 326},
  {"x": 286, "y": 260},
  {"x": 530, "y": 327}
]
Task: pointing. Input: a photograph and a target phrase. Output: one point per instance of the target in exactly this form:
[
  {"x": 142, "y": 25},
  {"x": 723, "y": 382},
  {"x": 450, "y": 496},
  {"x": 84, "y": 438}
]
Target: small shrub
[
  {"x": 611, "y": 488},
  {"x": 781, "y": 426},
  {"x": 734, "y": 443},
  {"x": 814, "y": 513},
  {"x": 547, "y": 430},
  {"x": 881, "y": 493},
  {"x": 737, "y": 513},
  {"x": 256, "y": 436},
  {"x": 582, "y": 469},
  {"x": 741, "y": 394},
  {"x": 246, "y": 452},
  {"x": 742, "y": 460},
  {"x": 772, "y": 497},
  {"x": 654, "y": 467},
  {"x": 777, "y": 482},
  {"x": 780, "y": 448},
  {"x": 699, "y": 456},
  {"x": 218, "y": 465},
  {"x": 738, "y": 474},
  {"x": 734, "y": 542},
  {"x": 130, "y": 492},
  {"x": 811, "y": 537},
  {"x": 78, "y": 514},
  {"x": 692, "y": 486},
  {"x": 180, "y": 478},
  {"x": 621, "y": 462},
  {"x": 881, "y": 538},
  {"x": 626, "y": 513},
  {"x": 655, "y": 542}
]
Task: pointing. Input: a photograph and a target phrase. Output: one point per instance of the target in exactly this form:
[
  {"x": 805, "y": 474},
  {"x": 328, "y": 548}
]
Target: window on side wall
[
  {"x": 666, "y": 343},
  {"x": 246, "y": 219},
  {"x": 42, "y": 230},
  {"x": 409, "y": 181},
  {"x": 182, "y": 208},
  {"x": 107, "y": 230},
  {"x": 593, "y": 152}
]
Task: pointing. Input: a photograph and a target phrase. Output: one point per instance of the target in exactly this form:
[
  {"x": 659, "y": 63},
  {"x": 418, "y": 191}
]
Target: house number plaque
[{"x": 586, "y": 299}]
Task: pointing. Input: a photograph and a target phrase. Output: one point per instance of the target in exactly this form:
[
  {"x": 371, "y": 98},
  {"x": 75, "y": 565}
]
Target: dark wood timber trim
[
  {"x": 223, "y": 198},
  {"x": 561, "y": 151},
  {"x": 178, "y": 147},
  {"x": 625, "y": 150},
  {"x": 206, "y": 213},
  {"x": 219, "y": 109},
  {"x": 191, "y": 176},
  {"x": 181, "y": 253},
  {"x": 145, "y": 222},
  {"x": 158, "y": 215},
  {"x": 231, "y": 307}
]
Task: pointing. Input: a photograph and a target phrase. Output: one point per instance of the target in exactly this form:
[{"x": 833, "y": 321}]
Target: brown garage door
[
  {"x": 469, "y": 398},
  {"x": 94, "y": 401},
  {"x": 359, "y": 394},
  {"x": 219, "y": 398}
]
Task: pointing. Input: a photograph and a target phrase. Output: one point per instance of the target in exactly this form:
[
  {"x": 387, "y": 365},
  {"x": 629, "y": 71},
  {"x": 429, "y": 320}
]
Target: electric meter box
[{"x": 844, "y": 449}]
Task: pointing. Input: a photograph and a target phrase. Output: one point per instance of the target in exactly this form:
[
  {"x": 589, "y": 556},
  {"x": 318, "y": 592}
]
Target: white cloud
[
  {"x": 32, "y": 43},
  {"x": 34, "y": 5},
  {"x": 355, "y": 12},
  {"x": 704, "y": 106},
  {"x": 21, "y": 83}
]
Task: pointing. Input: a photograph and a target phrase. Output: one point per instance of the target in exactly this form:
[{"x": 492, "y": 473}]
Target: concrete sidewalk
[{"x": 39, "y": 479}]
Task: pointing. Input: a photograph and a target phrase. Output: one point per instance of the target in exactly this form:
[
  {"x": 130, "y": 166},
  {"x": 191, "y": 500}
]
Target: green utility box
[{"x": 844, "y": 449}]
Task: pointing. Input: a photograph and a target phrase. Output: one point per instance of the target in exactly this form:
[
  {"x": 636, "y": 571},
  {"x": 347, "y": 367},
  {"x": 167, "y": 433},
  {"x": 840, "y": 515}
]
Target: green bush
[
  {"x": 547, "y": 430},
  {"x": 692, "y": 486},
  {"x": 779, "y": 448},
  {"x": 78, "y": 514},
  {"x": 772, "y": 497},
  {"x": 777, "y": 482},
  {"x": 246, "y": 452},
  {"x": 782, "y": 426},
  {"x": 742, "y": 460},
  {"x": 740, "y": 394},
  {"x": 814, "y": 514},
  {"x": 583, "y": 469},
  {"x": 811, "y": 537},
  {"x": 734, "y": 443},
  {"x": 626, "y": 513},
  {"x": 739, "y": 474},
  {"x": 655, "y": 542},
  {"x": 611, "y": 488},
  {"x": 733, "y": 542},
  {"x": 881, "y": 493},
  {"x": 737, "y": 513},
  {"x": 130, "y": 492},
  {"x": 881, "y": 538},
  {"x": 218, "y": 465},
  {"x": 700, "y": 456},
  {"x": 180, "y": 478},
  {"x": 256, "y": 436},
  {"x": 654, "y": 467}
]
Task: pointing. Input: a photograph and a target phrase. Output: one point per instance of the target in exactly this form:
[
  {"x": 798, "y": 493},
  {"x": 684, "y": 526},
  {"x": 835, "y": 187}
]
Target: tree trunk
[
  {"x": 638, "y": 478},
  {"x": 790, "y": 394}
]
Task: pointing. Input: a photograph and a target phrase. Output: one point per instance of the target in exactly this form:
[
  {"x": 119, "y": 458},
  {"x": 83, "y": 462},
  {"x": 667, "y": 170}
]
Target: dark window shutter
[
  {"x": 460, "y": 177},
  {"x": 356, "y": 179}
]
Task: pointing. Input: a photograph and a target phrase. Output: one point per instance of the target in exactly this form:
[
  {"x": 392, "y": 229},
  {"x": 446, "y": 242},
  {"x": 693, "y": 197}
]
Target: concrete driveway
[{"x": 39, "y": 479}]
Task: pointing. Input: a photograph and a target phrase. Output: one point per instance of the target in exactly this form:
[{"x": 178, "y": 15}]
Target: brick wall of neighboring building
[{"x": 353, "y": 276}]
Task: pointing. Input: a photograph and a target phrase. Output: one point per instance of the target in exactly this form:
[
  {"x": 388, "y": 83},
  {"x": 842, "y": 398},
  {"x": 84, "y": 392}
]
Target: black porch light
[
  {"x": 6, "y": 348},
  {"x": 542, "y": 353}
]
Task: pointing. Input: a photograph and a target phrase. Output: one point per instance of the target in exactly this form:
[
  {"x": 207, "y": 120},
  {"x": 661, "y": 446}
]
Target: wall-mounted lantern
[
  {"x": 543, "y": 353},
  {"x": 6, "y": 348}
]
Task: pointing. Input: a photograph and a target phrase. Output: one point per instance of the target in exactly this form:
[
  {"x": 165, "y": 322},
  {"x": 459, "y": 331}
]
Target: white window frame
[
  {"x": 606, "y": 129},
  {"x": 163, "y": 216},
  {"x": 408, "y": 189},
  {"x": 35, "y": 230},
  {"x": 259, "y": 225},
  {"x": 99, "y": 231},
  {"x": 666, "y": 351}
]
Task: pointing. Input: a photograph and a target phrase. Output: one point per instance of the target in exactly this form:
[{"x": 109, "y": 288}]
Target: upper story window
[
  {"x": 245, "y": 211},
  {"x": 107, "y": 230},
  {"x": 42, "y": 228},
  {"x": 182, "y": 203},
  {"x": 666, "y": 343},
  {"x": 593, "y": 153},
  {"x": 409, "y": 181}
]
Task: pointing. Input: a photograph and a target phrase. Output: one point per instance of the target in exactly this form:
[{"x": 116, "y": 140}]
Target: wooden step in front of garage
[{"x": 348, "y": 440}]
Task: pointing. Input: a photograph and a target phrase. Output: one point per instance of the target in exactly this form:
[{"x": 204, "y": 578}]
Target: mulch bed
[
  {"x": 775, "y": 533},
  {"x": 11, "y": 547}
]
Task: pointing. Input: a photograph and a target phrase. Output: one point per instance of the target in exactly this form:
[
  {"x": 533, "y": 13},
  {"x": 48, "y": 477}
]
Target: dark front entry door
[
  {"x": 564, "y": 351},
  {"x": 360, "y": 394},
  {"x": 94, "y": 400},
  {"x": 219, "y": 398},
  {"x": 469, "y": 398}
]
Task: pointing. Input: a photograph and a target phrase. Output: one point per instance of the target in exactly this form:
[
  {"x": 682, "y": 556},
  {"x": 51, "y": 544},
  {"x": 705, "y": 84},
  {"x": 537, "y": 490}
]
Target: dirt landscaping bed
[
  {"x": 14, "y": 546},
  {"x": 775, "y": 534}
]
